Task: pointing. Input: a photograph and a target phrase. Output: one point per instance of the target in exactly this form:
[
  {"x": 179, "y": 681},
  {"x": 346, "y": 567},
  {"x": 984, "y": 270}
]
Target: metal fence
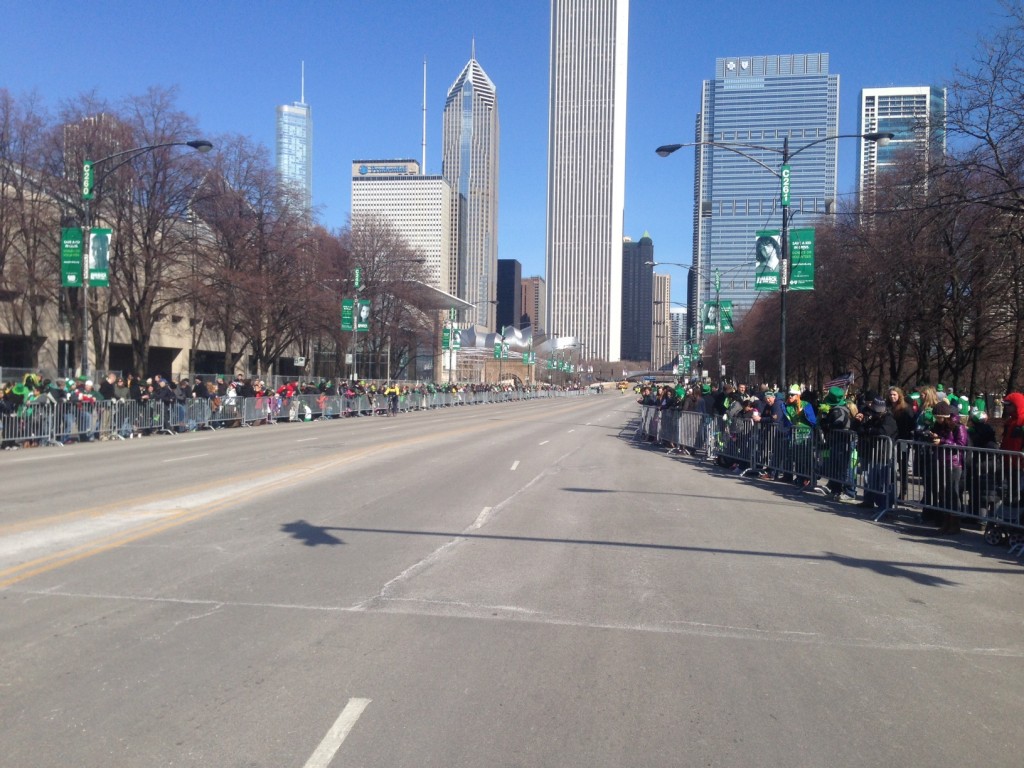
[
  {"x": 66, "y": 422},
  {"x": 894, "y": 477}
]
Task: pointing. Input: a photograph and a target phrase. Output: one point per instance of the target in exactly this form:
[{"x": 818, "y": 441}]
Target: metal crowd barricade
[
  {"x": 877, "y": 464},
  {"x": 739, "y": 442},
  {"x": 983, "y": 484},
  {"x": 839, "y": 460},
  {"x": 668, "y": 428},
  {"x": 696, "y": 433}
]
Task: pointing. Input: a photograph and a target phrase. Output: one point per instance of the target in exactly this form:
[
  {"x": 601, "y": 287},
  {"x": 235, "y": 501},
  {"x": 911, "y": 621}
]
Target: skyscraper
[
  {"x": 661, "y": 328},
  {"x": 917, "y": 117},
  {"x": 535, "y": 303},
  {"x": 470, "y": 164},
  {"x": 758, "y": 101},
  {"x": 586, "y": 172},
  {"x": 416, "y": 207},
  {"x": 637, "y": 298},
  {"x": 510, "y": 295},
  {"x": 295, "y": 146}
]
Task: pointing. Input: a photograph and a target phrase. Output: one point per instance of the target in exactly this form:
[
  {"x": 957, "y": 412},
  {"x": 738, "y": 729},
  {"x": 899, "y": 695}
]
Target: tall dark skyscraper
[
  {"x": 510, "y": 294},
  {"x": 637, "y": 298}
]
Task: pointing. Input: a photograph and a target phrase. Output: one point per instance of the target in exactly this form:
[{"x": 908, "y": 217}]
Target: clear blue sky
[{"x": 234, "y": 61}]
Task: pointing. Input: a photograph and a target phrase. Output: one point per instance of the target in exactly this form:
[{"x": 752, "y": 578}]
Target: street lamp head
[
  {"x": 880, "y": 138},
  {"x": 200, "y": 145},
  {"x": 650, "y": 263},
  {"x": 667, "y": 149}
]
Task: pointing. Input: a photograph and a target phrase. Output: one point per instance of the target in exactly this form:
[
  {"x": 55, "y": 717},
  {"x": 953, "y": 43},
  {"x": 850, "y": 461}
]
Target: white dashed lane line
[{"x": 514, "y": 465}]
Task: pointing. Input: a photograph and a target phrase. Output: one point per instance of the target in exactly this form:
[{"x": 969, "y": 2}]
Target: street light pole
[
  {"x": 90, "y": 183},
  {"x": 783, "y": 174}
]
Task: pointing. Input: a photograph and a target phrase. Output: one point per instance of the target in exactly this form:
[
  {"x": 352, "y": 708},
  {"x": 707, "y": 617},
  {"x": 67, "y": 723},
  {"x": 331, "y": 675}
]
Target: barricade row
[
  {"x": 61, "y": 423},
  {"x": 973, "y": 483}
]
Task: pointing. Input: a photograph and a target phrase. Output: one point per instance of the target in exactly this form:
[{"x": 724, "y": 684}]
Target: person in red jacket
[{"x": 1013, "y": 422}]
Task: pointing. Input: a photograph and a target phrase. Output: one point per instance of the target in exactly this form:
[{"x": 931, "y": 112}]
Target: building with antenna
[
  {"x": 469, "y": 163},
  {"x": 295, "y": 146}
]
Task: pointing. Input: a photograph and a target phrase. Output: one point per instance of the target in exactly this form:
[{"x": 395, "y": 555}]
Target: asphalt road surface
[{"x": 521, "y": 584}]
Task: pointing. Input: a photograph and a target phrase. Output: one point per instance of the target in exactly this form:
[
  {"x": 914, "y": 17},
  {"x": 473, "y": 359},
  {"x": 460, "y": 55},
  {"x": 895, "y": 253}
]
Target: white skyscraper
[
  {"x": 295, "y": 146},
  {"x": 587, "y": 172},
  {"x": 417, "y": 207},
  {"x": 917, "y": 117},
  {"x": 470, "y": 164}
]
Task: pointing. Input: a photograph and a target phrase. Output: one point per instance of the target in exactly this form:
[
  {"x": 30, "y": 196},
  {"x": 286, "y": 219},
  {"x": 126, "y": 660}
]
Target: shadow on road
[{"x": 311, "y": 535}]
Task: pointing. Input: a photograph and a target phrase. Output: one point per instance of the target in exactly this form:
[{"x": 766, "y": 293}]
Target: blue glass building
[
  {"x": 295, "y": 147},
  {"x": 758, "y": 101}
]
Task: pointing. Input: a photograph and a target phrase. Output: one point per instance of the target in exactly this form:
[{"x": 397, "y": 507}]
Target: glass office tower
[
  {"x": 469, "y": 162},
  {"x": 758, "y": 101},
  {"x": 295, "y": 147}
]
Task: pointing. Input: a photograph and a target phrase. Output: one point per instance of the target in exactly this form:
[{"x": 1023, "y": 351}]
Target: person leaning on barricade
[
  {"x": 945, "y": 468},
  {"x": 878, "y": 427},
  {"x": 836, "y": 419}
]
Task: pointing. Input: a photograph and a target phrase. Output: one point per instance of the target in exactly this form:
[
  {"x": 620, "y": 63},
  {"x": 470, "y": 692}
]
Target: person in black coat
[{"x": 877, "y": 454}]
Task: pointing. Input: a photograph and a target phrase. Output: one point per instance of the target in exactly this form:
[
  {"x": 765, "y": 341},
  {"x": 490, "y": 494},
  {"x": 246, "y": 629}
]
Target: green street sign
[
  {"x": 357, "y": 277},
  {"x": 87, "y": 180},
  {"x": 71, "y": 257},
  {"x": 347, "y": 314},
  {"x": 99, "y": 257},
  {"x": 446, "y": 336},
  {"x": 784, "y": 177}
]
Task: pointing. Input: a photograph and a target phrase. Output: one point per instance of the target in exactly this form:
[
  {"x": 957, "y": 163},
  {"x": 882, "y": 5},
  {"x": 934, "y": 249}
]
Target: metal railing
[{"x": 934, "y": 481}]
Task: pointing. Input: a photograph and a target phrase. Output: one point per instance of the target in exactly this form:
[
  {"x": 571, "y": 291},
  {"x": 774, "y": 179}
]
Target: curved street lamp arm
[
  {"x": 200, "y": 145},
  {"x": 668, "y": 149}
]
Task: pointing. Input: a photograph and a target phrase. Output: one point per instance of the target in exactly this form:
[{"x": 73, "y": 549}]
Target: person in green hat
[{"x": 837, "y": 455}]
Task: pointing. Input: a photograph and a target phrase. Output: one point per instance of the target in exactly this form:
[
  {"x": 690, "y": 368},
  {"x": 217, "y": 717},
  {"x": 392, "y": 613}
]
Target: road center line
[
  {"x": 332, "y": 742},
  {"x": 572, "y": 430},
  {"x": 544, "y": 442},
  {"x": 307, "y": 439},
  {"x": 514, "y": 465},
  {"x": 183, "y": 458}
]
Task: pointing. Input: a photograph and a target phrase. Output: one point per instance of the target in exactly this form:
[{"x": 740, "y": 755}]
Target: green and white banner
[
  {"x": 71, "y": 257},
  {"x": 99, "y": 257},
  {"x": 718, "y": 316},
  {"x": 768, "y": 253},
  {"x": 348, "y": 309},
  {"x": 363, "y": 318},
  {"x": 801, "y": 259}
]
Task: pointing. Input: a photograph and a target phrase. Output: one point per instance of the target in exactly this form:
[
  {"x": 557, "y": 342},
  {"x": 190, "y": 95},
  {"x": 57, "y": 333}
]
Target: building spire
[
  {"x": 302, "y": 87},
  {"x": 472, "y": 50}
]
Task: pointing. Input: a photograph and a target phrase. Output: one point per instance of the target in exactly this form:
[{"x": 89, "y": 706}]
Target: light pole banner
[
  {"x": 99, "y": 257},
  {"x": 768, "y": 252},
  {"x": 71, "y": 257},
  {"x": 718, "y": 316},
  {"x": 801, "y": 259},
  {"x": 347, "y": 314},
  {"x": 363, "y": 319}
]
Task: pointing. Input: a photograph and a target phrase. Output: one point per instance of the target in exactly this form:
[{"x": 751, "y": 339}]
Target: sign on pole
[
  {"x": 363, "y": 318},
  {"x": 357, "y": 277},
  {"x": 801, "y": 259},
  {"x": 87, "y": 183},
  {"x": 348, "y": 314},
  {"x": 768, "y": 252},
  {"x": 71, "y": 257},
  {"x": 99, "y": 257},
  {"x": 784, "y": 176}
]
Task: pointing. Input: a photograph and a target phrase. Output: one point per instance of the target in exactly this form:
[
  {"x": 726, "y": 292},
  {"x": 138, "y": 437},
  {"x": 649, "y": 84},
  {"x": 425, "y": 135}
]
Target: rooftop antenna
[
  {"x": 472, "y": 50},
  {"x": 423, "y": 168},
  {"x": 302, "y": 91}
]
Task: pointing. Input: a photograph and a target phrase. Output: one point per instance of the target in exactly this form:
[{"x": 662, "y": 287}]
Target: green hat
[
  {"x": 20, "y": 390},
  {"x": 940, "y": 388},
  {"x": 705, "y": 388},
  {"x": 915, "y": 395},
  {"x": 835, "y": 395},
  {"x": 83, "y": 378}
]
